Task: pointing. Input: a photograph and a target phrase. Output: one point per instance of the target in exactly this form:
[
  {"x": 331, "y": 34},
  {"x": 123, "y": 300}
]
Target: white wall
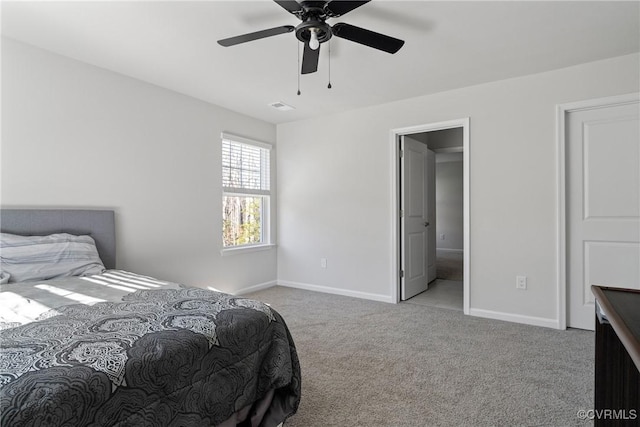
[
  {"x": 449, "y": 203},
  {"x": 74, "y": 135},
  {"x": 334, "y": 177}
]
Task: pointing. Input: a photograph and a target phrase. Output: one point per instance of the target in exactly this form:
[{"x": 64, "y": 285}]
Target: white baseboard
[
  {"x": 459, "y": 251},
  {"x": 336, "y": 291},
  {"x": 255, "y": 288},
  {"x": 487, "y": 314},
  {"x": 515, "y": 318}
]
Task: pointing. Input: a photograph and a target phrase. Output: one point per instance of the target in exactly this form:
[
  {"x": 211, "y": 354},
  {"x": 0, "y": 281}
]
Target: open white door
[
  {"x": 414, "y": 216},
  {"x": 603, "y": 205}
]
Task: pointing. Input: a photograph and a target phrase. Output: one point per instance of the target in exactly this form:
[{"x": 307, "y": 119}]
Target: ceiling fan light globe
[{"x": 313, "y": 41}]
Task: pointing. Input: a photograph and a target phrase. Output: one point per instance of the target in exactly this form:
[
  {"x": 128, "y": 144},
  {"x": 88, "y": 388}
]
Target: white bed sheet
[{"x": 25, "y": 302}]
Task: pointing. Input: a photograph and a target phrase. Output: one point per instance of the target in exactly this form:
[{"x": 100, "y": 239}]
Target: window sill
[{"x": 246, "y": 249}]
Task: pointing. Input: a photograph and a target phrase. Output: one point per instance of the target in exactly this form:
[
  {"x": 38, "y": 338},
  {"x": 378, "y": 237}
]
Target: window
[{"x": 246, "y": 185}]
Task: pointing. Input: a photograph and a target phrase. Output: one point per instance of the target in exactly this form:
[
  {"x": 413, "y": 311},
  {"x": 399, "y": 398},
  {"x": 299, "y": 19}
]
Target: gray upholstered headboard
[{"x": 99, "y": 224}]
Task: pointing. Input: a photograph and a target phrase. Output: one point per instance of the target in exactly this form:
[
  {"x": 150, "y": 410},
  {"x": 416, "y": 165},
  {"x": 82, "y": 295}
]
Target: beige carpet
[{"x": 367, "y": 363}]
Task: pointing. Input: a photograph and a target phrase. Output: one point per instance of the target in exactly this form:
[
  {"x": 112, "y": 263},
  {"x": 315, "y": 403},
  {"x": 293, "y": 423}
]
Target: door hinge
[
  {"x": 401, "y": 274},
  {"x": 401, "y": 213},
  {"x": 401, "y": 153}
]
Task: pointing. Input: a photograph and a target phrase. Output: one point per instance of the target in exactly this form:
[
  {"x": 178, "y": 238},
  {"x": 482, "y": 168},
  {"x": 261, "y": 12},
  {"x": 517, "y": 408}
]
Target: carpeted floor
[{"x": 367, "y": 363}]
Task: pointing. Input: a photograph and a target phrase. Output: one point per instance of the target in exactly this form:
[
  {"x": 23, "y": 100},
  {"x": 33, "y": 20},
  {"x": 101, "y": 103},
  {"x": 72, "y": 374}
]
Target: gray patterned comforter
[{"x": 179, "y": 357}]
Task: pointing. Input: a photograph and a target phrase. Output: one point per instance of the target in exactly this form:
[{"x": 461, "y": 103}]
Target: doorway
[{"x": 448, "y": 239}]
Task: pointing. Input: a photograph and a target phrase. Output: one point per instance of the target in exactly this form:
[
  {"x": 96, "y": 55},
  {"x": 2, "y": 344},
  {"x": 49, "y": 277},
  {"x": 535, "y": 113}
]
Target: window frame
[{"x": 265, "y": 195}]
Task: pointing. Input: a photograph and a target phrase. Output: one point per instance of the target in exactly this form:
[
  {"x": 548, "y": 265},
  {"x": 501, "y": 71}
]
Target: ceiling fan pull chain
[
  {"x": 298, "y": 69},
  {"x": 329, "y": 46}
]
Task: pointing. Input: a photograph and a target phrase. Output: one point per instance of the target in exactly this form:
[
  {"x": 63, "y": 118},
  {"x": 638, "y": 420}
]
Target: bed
[{"x": 111, "y": 347}]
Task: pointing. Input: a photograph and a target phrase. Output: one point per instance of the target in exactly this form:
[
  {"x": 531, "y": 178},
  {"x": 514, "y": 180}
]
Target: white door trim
[
  {"x": 561, "y": 244},
  {"x": 394, "y": 159}
]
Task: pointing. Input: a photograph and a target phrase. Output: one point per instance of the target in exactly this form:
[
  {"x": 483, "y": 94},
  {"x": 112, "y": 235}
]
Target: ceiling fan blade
[
  {"x": 339, "y": 7},
  {"x": 367, "y": 37},
  {"x": 291, "y": 6},
  {"x": 231, "y": 41},
  {"x": 310, "y": 59}
]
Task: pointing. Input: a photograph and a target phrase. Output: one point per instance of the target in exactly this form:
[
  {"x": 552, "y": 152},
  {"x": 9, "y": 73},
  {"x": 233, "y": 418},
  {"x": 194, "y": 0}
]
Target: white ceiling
[{"x": 448, "y": 45}]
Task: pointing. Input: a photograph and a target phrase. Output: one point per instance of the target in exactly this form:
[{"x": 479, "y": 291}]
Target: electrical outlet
[
  {"x": 323, "y": 262},
  {"x": 521, "y": 282}
]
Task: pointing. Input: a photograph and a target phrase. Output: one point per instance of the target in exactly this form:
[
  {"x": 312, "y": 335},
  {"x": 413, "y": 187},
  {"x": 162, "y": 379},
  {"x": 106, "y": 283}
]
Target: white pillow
[{"x": 28, "y": 258}]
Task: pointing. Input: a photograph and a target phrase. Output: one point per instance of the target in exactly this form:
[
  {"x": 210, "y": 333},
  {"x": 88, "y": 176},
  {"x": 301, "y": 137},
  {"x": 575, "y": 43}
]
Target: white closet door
[{"x": 603, "y": 205}]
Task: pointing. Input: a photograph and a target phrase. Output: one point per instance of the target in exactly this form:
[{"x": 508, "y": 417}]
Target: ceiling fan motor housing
[
  {"x": 313, "y": 16},
  {"x": 323, "y": 30}
]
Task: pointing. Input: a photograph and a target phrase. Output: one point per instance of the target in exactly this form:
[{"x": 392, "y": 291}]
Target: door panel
[
  {"x": 611, "y": 158},
  {"x": 603, "y": 205},
  {"x": 611, "y": 263},
  {"x": 415, "y": 259}
]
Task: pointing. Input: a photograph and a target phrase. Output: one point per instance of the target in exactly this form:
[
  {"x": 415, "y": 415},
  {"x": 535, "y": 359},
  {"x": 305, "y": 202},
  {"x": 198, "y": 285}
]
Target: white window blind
[{"x": 245, "y": 165}]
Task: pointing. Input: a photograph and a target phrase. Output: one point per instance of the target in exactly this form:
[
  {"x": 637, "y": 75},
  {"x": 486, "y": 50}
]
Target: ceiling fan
[{"x": 313, "y": 30}]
